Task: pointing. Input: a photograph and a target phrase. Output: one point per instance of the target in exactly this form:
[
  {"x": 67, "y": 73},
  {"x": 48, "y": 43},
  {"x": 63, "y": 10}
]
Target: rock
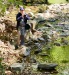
[
  {"x": 31, "y": 14},
  {"x": 46, "y": 37},
  {"x": 41, "y": 22},
  {"x": 37, "y": 51},
  {"x": 46, "y": 66},
  {"x": 43, "y": 54},
  {"x": 35, "y": 66},
  {"x": 39, "y": 46},
  {"x": 41, "y": 39},
  {"x": 57, "y": 44},
  {"x": 51, "y": 20},
  {"x": 40, "y": 17},
  {"x": 32, "y": 60},
  {"x": 63, "y": 35},
  {"x": 65, "y": 72},
  {"x": 25, "y": 50},
  {"x": 35, "y": 40},
  {"x": 29, "y": 43},
  {"x": 49, "y": 25},
  {"x": 64, "y": 42},
  {"x": 48, "y": 48},
  {"x": 42, "y": 8},
  {"x": 17, "y": 67},
  {"x": 27, "y": 9},
  {"x": 8, "y": 72},
  {"x": 7, "y": 12}
]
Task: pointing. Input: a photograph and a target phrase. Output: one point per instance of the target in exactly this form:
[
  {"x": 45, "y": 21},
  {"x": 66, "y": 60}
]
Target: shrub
[
  {"x": 42, "y": 8},
  {"x": 2, "y": 67}
]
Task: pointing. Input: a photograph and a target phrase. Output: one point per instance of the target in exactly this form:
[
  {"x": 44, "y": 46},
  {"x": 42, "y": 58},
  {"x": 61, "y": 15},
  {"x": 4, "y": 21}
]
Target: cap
[{"x": 21, "y": 8}]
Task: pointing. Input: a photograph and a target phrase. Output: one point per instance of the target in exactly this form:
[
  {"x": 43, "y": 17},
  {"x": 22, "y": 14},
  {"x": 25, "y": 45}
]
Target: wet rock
[
  {"x": 37, "y": 51},
  {"x": 42, "y": 29},
  {"x": 35, "y": 66},
  {"x": 41, "y": 39},
  {"x": 35, "y": 40},
  {"x": 57, "y": 44},
  {"x": 43, "y": 54},
  {"x": 49, "y": 25},
  {"x": 47, "y": 66},
  {"x": 32, "y": 60},
  {"x": 29, "y": 43},
  {"x": 31, "y": 14},
  {"x": 39, "y": 17},
  {"x": 65, "y": 72},
  {"x": 8, "y": 72},
  {"x": 51, "y": 20},
  {"x": 64, "y": 42},
  {"x": 41, "y": 22},
  {"x": 25, "y": 50},
  {"x": 46, "y": 36},
  {"x": 17, "y": 67},
  {"x": 7, "y": 12},
  {"x": 63, "y": 35},
  {"x": 38, "y": 45},
  {"x": 48, "y": 48}
]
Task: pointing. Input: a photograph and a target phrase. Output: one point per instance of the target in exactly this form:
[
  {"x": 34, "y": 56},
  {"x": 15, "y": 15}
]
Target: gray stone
[
  {"x": 43, "y": 54},
  {"x": 41, "y": 39},
  {"x": 37, "y": 51},
  {"x": 17, "y": 67},
  {"x": 32, "y": 60},
  {"x": 26, "y": 51},
  {"x": 49, "y": 25},
  {"x": 63, "y": 35},
  {"x": 48, "y": 48},
  {"x": 57, "y": 44},
  {"x": 38, "y": 45},
  {"x": 46, "y": 66},
  {"x": 51, "y": 20}
]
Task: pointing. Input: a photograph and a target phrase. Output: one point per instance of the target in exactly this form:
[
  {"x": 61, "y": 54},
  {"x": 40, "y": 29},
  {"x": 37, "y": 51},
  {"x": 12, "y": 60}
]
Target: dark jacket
[{"x": 19, "y": 18}]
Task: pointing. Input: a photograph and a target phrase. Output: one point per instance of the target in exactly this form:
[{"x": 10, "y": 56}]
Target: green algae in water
[{"x": 60, "y": 54}]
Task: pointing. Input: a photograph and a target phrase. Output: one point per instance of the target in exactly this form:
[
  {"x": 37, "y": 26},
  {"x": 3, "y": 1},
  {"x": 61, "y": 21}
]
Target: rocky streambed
[{"x": 45, "y": 51}]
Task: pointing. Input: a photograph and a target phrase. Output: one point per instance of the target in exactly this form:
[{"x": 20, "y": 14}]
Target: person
[{"x": 21, "y": 19}]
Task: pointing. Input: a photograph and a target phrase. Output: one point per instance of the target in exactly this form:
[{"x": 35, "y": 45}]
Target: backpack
[{"x": 27, "y": 27}]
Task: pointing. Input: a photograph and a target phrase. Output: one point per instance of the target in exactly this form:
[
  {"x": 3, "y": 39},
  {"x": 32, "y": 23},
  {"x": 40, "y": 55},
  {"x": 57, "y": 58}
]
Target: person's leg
[
  {"x": 22, "y": 36},
  {"x": 22, "y": 40},
  {"x": 32, "y": 29},
  {"x": 18, "y": 38}
]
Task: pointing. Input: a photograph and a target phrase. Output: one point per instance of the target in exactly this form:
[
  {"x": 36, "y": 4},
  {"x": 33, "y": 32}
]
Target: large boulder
[
  {"x": 17, "y": 67},
  {"x": 25, "y": 50},
  {"x": 47, "y": 66},
  {"x": 40, "y": 17}
]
